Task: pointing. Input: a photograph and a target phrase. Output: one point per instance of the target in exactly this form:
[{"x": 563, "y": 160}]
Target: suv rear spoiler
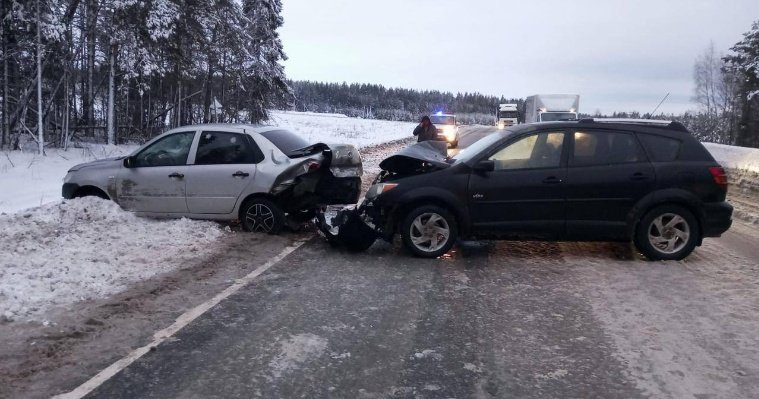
[{"x": 672, "y": 125}]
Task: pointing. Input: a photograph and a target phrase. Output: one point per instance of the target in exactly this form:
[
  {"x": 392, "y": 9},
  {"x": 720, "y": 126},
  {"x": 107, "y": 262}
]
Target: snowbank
[
  {"x": 29, "y": 179},
  {"x": 735, "y": 157},
  {"x": 331, "y": 128},
  {"x": 87, "y": 248}
]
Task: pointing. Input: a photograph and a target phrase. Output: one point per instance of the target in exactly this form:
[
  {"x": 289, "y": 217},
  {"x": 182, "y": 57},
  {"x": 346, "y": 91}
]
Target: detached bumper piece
[{"x": 346, "y": 228}]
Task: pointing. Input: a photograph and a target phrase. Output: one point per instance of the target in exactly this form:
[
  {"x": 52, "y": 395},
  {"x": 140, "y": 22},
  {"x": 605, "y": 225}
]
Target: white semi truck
[
  {"x": 551, "y": 107},
  {"x": 508, "y": 115}
]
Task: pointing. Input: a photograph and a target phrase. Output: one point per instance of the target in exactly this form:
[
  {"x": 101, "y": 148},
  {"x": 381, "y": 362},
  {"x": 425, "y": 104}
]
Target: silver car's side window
[
  {"x": 219, "y": 148},
  {"x": 171, "y": 150}
]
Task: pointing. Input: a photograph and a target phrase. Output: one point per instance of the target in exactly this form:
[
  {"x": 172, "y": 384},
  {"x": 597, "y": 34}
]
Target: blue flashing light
[{"x": 439, "y": 113}]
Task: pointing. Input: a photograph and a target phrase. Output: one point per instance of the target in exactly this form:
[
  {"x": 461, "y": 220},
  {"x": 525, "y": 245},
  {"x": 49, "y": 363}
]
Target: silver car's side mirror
[{"x": 129, "y": 162}]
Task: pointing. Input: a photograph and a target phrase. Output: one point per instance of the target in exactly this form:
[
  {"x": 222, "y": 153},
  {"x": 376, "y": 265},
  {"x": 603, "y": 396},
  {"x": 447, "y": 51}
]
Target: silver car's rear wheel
[{"x": 260, "y": 215}]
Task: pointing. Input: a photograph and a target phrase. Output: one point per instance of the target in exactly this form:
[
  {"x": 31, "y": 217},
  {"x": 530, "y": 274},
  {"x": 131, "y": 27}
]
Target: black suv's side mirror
[
  {"x": 129, "y": 162},
  {"x": 484, "y": 166}
]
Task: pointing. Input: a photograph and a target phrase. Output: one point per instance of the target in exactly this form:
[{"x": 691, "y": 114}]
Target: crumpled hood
[
  {"x": 417, "y": 157},
  {"x": 105, "y": 162}
]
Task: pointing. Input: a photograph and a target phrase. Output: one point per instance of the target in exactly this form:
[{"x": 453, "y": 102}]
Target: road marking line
[{"x": 181, "y": 321}]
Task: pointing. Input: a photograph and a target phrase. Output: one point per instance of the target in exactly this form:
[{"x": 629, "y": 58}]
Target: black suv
[{"x": 645, "y": 181}]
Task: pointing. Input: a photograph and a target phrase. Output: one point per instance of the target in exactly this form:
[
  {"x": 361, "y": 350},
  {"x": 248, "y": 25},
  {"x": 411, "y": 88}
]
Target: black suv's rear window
[
  {"x": 286, "y": 141},
  {"x": 660, "y": 148}
]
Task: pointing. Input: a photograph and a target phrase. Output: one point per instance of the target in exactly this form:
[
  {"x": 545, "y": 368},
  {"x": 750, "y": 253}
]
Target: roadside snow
[
  {"x": 332, "y": 128},
  {"x": 734, "y": 157},
  {"x": 29, "y": 179},
  {"x": 87, "y": 248}
]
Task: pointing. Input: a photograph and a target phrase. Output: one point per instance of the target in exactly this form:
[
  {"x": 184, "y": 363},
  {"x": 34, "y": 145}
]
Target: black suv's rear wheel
[
  {"x": 667, "y": 232},
  {"x": 429, "y": 231},
  {"x": 261, "y": 215}
]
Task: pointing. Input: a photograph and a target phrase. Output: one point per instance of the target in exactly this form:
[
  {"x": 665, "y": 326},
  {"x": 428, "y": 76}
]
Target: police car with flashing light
[{"x": 447, "y": 128}]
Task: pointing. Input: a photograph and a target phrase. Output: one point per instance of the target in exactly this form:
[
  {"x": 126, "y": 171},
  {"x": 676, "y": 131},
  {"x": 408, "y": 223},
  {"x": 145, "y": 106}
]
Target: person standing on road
[{"x": 425, "y": 130}]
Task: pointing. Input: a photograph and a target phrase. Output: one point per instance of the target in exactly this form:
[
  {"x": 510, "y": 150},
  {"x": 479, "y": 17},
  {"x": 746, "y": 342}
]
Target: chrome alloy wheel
[
  {"x": 260, "y": 217},
  {"x": 429, "y": 232},
  {"x": 669, "y": 233}
]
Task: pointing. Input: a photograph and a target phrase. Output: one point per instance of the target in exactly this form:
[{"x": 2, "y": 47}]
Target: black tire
[
  {"x": 410, "y": 231},
  {"x": 91, "y": 192},
  {"x": 454, "y": 144},
  {"x": 261, "y": 215},
  {"x": 667, "y": 232}
]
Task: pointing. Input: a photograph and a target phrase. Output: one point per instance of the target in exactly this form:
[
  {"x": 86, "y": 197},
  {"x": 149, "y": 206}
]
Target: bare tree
[{"x": 40, "y": 126}]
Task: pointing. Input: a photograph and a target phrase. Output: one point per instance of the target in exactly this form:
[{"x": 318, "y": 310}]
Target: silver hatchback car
[{"x": 262, "y": 175}]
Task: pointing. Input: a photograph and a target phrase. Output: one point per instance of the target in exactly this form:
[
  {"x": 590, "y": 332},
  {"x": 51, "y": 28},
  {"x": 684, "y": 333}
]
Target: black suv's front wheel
[
  {"x": 429, "y": 231},
  {"x": 667, "y": 232}
]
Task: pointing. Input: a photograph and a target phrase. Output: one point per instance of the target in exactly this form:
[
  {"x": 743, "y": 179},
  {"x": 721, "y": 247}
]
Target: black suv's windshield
[
  {"x": 479, "y": 146},
  {"x": 443, "y": 119},
  {"x": 286, "y": 141}
]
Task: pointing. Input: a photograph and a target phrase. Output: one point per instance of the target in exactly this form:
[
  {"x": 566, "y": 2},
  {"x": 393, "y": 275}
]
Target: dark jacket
[{"x": 422, "y": 134}]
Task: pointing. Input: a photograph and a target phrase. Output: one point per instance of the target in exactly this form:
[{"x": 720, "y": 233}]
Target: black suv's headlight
[{"x": 377, "y": 189}]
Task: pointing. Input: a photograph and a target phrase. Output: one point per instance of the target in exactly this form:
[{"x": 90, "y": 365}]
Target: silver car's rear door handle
[
  {"x": 240, "y": 174},
  {"x": 176, "y": 175}
]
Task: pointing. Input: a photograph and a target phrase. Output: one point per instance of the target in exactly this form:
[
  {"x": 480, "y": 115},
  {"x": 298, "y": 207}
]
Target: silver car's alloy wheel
[
  {"x": 429, "y": 232},
  {"x": 669, "y": 233},
  {"x": 260, "y": 217}
]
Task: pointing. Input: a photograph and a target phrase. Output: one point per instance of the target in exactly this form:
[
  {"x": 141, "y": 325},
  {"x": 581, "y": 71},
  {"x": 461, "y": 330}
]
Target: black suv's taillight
[{"x": 719, "y": 176}]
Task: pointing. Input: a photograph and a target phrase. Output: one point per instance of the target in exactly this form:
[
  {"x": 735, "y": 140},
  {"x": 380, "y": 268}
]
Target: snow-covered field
[
  {"x": 335, "y": 128},
  {"x": 62, "y": 253}
]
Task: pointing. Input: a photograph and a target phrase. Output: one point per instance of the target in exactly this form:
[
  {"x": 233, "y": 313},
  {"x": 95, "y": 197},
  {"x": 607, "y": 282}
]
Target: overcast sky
[{"x": 618, "y": 55}]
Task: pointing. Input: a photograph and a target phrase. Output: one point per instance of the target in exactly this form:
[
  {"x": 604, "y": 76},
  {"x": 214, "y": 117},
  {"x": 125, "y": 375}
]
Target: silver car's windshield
[{"x": 480, "y": 145}]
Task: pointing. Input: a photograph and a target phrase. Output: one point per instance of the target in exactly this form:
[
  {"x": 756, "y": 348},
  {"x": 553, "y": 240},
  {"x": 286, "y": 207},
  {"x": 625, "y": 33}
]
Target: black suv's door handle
[
  {"x": 639, "y": 176},
  {"x": 552, "y": 180},
  {"x": 176, "y": 175},
  {"x": 240, "y": 174}
]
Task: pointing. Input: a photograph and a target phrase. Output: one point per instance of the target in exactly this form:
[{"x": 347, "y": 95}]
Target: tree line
[
  {"x": 123, "y": 70},
  {"x": 727, "y": 92},
  {"x": 379, "y": 102}
]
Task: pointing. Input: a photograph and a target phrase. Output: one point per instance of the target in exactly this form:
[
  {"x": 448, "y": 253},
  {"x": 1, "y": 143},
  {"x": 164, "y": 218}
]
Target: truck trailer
[{"x": 551, "y": 107}]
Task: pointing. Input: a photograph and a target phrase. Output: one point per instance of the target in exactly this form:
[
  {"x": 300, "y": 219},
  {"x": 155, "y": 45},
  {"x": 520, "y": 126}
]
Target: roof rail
[{"x": 673, "y": 125}]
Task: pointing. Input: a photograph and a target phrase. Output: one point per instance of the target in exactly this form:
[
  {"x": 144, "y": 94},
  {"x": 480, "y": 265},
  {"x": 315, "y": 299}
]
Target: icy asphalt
[
  {"x": 382, "y": 324},
  {"x": 505, "y": 319}
]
